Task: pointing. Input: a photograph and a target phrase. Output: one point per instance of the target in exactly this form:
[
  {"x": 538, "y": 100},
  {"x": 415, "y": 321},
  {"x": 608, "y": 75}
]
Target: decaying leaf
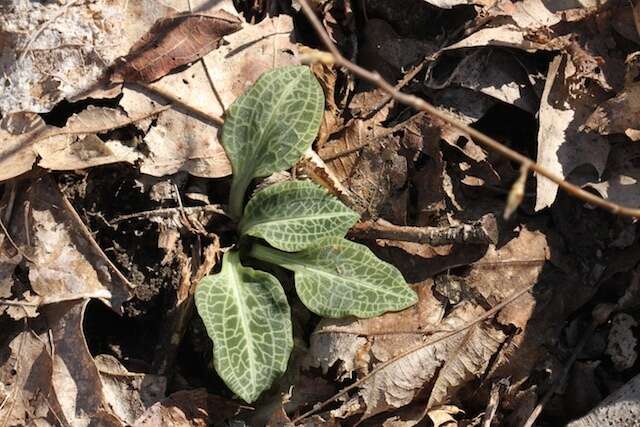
[
  {"x": 495, "y": 73},
  {"x": 188, "y": 408},
  {"x": 443, "y": 367},
  {"x": 562, "y": 146},
  {"x": 66, "y": 266},
  {"x": 174, "y": 41},
  {"x": 48, "y": 374},
  {"x": 129, "y": 394},
  {"x": 75, "y": 146},
  {"x": 55, "y": 50}
]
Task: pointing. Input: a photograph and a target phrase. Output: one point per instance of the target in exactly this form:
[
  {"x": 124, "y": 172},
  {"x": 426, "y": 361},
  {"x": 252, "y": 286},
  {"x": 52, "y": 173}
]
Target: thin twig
[
  {"x": 92, "y": 242},
  {"x": 216, "y": 209},
  {"x": 421, "y": 105},
  {"x": 383, "y": 365},
  {"x": 202, "y": 115},
  {"x": 15, "y": 303},
  {"x": 43, "y": 26}
]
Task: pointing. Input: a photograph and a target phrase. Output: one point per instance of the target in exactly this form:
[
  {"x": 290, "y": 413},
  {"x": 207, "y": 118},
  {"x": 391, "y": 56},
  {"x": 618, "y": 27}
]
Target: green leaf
[
  {"x": 247, "y": 316},
  {"x": 337, "y": 278},
  {"x": 267, "y": 129},
  {"x": 294, "y": 215}
]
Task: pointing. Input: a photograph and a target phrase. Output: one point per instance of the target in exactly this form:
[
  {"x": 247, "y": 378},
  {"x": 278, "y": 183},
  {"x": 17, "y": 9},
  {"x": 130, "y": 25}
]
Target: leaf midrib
[
  {"x": 297, "y": 218},
  {"x": 237, "y": 282},
  {"x": 288, "y": 88},
  {"x": 295, "y": 262}
]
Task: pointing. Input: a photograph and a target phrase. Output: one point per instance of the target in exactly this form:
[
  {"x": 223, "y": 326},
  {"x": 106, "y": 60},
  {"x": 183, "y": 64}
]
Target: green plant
[{"x": 245, "y": 311}]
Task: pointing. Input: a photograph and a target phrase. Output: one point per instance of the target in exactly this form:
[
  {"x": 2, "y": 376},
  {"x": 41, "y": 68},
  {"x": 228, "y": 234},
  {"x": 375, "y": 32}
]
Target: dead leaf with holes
[{"x": 174, "y": 41}]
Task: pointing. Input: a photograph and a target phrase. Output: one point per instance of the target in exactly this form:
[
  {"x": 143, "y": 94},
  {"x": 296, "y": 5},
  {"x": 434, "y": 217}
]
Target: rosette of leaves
[{"x": 296, "y": 225}]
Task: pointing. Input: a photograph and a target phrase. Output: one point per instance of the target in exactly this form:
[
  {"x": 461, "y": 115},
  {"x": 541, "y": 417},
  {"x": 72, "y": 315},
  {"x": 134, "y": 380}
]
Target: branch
[
  {"x": 421, "y": 105},
  {"x": 481, "y": 232}
]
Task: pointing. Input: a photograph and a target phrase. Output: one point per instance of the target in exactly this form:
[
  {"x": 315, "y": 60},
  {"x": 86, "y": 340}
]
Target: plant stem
[
  {"x": 273, "y": 256},
  {"x": 236, "y": 197}
]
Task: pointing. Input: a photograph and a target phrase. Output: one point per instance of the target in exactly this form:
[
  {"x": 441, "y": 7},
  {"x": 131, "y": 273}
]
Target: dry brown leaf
[
  {"x": 442, "y": 416},
  {"x": 72, "y": 147},
  {"x": 188, "y": 408},
  {"x": 128, "y": 394},
  {"x": 562, "y": 146},
  {"x": 16, "y": 153},
  {"x": 495, "y": 73},
  {"x": 444, "y": 367},
  {"x": 621, "y": 114},
  {"x": 65, "y": 265},
  {"x": 364, "y": 158},
  {"x": 174, "y": 41},
  {"x": 55, "y": 50},
  {"x": 622, "y": 183},
  {"x": 48, "y": 374},
  {"x": 179, "y": 141}
]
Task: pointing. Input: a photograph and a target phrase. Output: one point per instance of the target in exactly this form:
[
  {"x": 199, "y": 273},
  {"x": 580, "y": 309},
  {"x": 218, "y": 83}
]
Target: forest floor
[{"x": 114, "y": 185}]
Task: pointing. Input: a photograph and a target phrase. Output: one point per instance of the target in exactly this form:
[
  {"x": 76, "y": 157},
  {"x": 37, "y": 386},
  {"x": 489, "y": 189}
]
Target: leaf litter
[{"x": 554, "y": 82}]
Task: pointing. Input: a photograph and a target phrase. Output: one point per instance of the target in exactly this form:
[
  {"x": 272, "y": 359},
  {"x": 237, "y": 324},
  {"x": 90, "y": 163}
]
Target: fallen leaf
[
  {"x": 65, "y": 265},
  {"x": 75, "y": 146},
  {"x": 562, "y": 146},
  {"x": 621, "y": 346},
  {"x": 495, "y": 73},
  {"x": 55, "y": 50},
  {"x": 364, "y": 158},
  {"x": 188, "y": 408},
  {"x": 442, "y": 416},
  {"x": 174, "y": 41},
  {"x": 48, "y": 374},
  {"x": 179, "y": 141},
  {"x": 128, "y": 394},
  {"x": 442, "y": 368}
]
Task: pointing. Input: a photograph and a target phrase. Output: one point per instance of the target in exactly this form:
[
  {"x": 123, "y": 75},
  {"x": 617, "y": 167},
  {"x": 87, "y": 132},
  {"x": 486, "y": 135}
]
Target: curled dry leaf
[
  {"x": 75, "y": 146},
  {"x": 174, "y": 41},
  {"x": 443, "y": 367},
  {"x": 65, "y": 265}
]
